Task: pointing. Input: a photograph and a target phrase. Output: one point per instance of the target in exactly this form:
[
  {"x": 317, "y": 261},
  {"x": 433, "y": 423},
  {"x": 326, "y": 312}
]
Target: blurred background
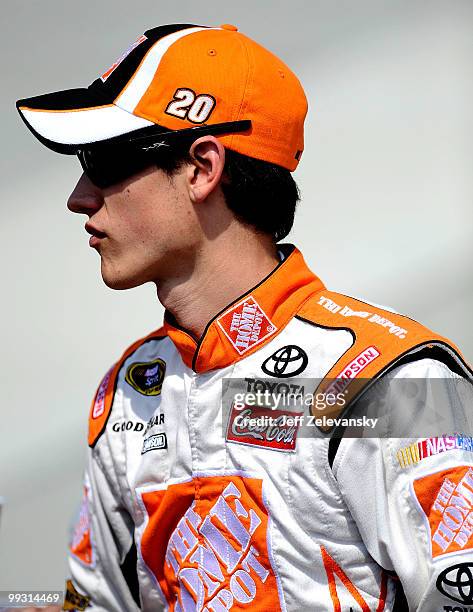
[{"x": 386, "y": 212}]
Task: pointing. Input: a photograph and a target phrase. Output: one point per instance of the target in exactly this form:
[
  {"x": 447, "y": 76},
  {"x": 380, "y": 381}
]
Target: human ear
[{"x": 206, "y": 168}]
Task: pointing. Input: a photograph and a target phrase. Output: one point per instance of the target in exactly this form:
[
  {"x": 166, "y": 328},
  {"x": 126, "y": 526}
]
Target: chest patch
[
  {"x": 206, "y": 541},
  {"x": 255, "y": 426},
  {"x": 146, "y": 378}
]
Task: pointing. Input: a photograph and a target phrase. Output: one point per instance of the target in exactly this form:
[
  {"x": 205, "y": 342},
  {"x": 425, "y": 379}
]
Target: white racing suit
[{"x": 189, "y": 506}]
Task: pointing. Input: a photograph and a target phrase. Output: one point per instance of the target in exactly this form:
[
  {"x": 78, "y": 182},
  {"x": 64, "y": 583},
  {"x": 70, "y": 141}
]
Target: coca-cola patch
[
  {"x": 256, "y": 426},
  {"x": 246, "y": 325}
]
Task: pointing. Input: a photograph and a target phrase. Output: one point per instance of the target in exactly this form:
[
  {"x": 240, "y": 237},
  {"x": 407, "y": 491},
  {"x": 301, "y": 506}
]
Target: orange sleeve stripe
[{"x": 381, "y": 338}]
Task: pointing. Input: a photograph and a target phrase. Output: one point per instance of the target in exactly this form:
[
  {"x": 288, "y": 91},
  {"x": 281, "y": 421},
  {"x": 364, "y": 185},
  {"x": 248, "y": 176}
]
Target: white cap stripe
[
  {"x": 141, "y": 80},
  {"x": 82, "y": 126}
]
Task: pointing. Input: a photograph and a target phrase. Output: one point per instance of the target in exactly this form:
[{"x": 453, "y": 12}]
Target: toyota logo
[
  {"x": 456, "y": 582},
  {"x": 287, "y": 361}
]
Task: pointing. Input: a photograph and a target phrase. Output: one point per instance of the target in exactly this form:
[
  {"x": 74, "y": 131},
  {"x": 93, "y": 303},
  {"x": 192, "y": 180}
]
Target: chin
[{"x": 120, "y": 282}]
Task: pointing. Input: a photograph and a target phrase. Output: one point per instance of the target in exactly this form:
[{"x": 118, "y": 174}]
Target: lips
[
  {"x": 96, "y": 235},
  {"x": 94, "y": 231}
]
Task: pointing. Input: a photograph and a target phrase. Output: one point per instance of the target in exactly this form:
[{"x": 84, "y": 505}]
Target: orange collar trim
[{"x": 252, "y": 319}]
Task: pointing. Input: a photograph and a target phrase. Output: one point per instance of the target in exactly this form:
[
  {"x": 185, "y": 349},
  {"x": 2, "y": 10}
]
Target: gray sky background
[{"x": 386, "y": 213}]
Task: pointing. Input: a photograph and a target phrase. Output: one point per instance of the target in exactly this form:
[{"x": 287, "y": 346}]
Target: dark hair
[{"x": 259, "y": 193}]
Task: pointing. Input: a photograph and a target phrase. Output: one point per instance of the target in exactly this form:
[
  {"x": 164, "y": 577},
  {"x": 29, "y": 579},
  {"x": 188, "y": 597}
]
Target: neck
[{"x": 218, "y": 275}]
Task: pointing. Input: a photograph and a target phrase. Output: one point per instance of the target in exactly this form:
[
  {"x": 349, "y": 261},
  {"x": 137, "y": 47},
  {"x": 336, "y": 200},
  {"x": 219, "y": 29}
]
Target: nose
[{"x": 86, "y": 198}]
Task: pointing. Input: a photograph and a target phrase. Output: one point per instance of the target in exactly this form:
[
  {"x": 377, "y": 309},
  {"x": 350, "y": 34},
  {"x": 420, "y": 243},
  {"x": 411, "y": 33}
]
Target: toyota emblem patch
[
  {"x": 456, "y": 582},
  {"x": 287, "y": 361}
]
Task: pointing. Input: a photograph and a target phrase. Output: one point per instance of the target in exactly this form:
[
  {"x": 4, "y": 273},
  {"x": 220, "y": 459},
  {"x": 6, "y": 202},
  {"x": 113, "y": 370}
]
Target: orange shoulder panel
[
  {"x": 381, "y": 338},
  {"x": 103, "y": 399}
]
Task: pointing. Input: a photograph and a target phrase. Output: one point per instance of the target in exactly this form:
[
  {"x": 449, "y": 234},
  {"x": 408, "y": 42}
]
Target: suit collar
[{"x": 250, "y": 321}]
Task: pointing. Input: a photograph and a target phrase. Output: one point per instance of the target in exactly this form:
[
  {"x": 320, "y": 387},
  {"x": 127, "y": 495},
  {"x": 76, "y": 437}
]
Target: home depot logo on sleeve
[
  {"x": 246, "y": 325},
  {"x": 206, "y": 543},
  {"x": 446, "y": 498},
  {"x": 81, "y": 542}
]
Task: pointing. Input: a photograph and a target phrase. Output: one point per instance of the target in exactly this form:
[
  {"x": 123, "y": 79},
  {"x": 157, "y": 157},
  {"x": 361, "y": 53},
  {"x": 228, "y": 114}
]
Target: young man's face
[{"x": 144, "y": 228}]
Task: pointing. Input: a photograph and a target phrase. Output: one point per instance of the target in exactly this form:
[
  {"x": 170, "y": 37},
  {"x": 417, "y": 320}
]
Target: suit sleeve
[
  {"x": 102, "y": 556},
  {"x": 411, "y": 496}
]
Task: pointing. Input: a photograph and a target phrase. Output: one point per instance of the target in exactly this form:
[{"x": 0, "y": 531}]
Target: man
[{"x": 187, "y": 144}]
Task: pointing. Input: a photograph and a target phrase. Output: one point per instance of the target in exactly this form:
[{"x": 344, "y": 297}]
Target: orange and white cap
[{"x": 177, "y": 77}]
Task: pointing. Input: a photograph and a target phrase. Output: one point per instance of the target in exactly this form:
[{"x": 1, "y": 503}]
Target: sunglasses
[{"x": 107, "y": 164}]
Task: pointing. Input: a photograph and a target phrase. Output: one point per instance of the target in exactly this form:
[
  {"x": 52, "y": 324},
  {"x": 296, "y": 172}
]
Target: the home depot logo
[
  {"x": 446, "y": 499},
  {"x": 216, "y": 556},
  {"x": 81, "y": 542},
  {"x": 246, "y": 325}
]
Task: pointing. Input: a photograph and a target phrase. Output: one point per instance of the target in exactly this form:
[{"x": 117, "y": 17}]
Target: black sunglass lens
[{"x": 106, "y": 166}]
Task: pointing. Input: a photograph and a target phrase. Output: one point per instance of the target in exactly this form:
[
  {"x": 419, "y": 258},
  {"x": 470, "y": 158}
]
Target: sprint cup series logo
[
  {"x": 146, "y": 378},
  {"x": 246, "y": 325},
  {"x": 216, "y": 556}
]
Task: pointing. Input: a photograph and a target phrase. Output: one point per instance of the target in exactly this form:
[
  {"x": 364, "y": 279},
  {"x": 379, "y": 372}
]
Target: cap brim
[{"x": 66, "y": 120}]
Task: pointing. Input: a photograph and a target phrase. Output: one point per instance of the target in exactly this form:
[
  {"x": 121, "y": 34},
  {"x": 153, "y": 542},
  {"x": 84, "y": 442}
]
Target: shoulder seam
[{"x": 98, "y": 424}]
